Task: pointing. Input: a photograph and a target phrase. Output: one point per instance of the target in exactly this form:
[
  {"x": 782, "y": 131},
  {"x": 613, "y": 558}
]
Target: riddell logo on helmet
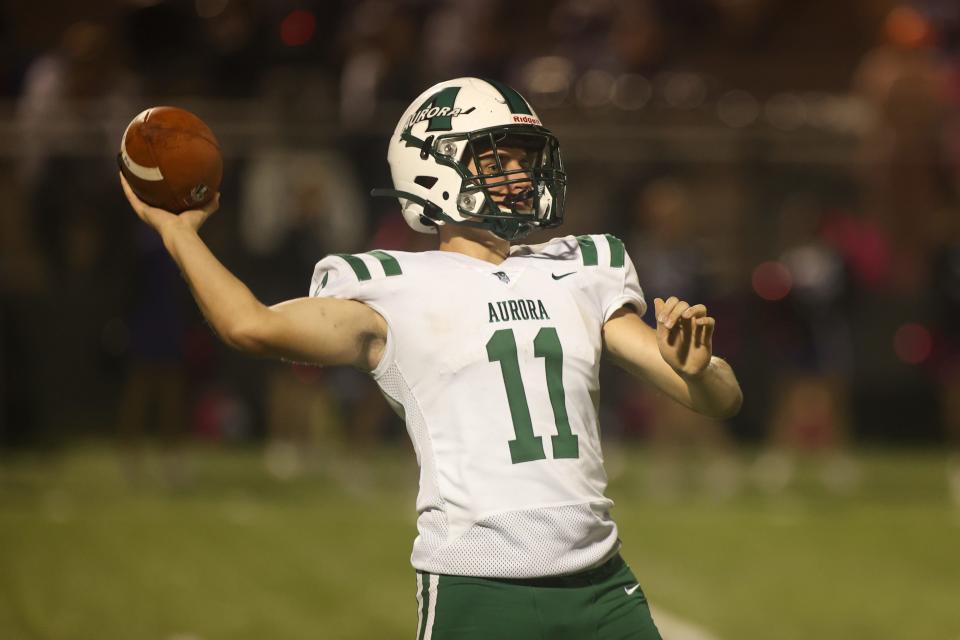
[{"x": 526, "y": 120}]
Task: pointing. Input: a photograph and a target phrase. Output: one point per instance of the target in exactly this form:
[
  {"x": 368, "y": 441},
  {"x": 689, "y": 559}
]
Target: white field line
[{"x": 673, "y": 627}]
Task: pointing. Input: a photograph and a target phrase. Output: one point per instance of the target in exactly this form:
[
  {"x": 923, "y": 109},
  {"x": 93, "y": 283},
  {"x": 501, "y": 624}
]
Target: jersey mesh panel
[
  {"x": 392, "y": 383},
  {"x": 519, "y": 544},
  {"x": 531, "y": 543}
]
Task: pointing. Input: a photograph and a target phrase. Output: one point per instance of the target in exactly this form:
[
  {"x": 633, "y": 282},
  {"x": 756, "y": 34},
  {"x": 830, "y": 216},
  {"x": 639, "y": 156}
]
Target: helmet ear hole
[{"x": 426, "y": 182}]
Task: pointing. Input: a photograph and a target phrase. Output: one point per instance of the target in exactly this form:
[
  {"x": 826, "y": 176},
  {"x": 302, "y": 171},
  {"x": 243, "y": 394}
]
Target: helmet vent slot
[{"x": 426, "y": 182}]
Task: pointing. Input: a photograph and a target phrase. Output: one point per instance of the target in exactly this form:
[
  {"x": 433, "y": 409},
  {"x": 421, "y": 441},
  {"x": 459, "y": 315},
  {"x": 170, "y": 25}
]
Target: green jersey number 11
[{"x": 502, "y": 348}]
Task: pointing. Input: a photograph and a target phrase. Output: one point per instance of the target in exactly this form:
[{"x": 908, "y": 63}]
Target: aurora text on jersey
[{"x": 506, "y": 310}]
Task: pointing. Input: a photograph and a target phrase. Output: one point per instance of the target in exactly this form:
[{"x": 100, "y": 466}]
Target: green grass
[{"x": 239, "y": 554}]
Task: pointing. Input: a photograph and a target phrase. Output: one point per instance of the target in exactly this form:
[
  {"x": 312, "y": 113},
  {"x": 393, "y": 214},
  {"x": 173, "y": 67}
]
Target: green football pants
[{"x": 605, "y": 603}]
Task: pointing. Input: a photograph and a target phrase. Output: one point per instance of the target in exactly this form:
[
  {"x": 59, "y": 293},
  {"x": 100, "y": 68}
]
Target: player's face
[{"x": 517, "y": 187}]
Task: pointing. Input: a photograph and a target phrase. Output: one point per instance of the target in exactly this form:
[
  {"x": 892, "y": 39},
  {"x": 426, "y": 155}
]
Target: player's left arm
[{"x": 676, "y": 357}]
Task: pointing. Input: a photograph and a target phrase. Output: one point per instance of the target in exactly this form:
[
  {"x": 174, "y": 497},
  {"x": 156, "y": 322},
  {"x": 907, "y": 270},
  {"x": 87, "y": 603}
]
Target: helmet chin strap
[
  {"x": 506, "y": 229},
  {"x": 509, "y": 230},
  {"x": 516, "y": 198},
  {"x": 393, "y": 193},
  {"x": 432, "y": 214}
]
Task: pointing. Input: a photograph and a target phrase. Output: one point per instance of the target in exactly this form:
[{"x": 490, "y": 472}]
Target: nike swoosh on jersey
[
  {"x": 564, "y": 275},
  {"x": 630, "y": 590}
]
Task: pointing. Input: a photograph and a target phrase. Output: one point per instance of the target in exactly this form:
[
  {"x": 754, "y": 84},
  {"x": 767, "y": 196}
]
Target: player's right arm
[{"x": 324, "y": 331}]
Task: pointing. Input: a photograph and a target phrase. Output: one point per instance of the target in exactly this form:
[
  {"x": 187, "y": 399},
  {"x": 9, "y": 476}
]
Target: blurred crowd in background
[{"x": 793, "y": 165}]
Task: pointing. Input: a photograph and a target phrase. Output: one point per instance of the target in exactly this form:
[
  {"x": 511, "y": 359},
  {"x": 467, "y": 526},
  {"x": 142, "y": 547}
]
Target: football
[{"x": 171, "y": 159}]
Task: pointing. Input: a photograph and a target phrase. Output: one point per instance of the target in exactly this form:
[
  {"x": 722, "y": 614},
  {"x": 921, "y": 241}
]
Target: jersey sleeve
[
  {"x": 614, "y": 276},
  {"x": 364, "y": 277},
  {"x": 630, "y": 292},
  {"x": 334, "y": 278},
  {"x": 368, "y": 278}
]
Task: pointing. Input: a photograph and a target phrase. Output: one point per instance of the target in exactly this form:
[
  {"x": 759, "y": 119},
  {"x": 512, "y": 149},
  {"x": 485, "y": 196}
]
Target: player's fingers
[
  {"x": 708, "y": 325},
  {"x": 687, "y": 327},
  {"x": 127, "y": 191},
  {"x": 210, "y": 208},
  {"x": 696, "y": 311},
  {"x": 657, "y": 306},
  {"x": 673, "y": 334},
  {"x": 666, "y": 308},
  {"x": 213, "y": 205},
  {"x": 139, "y": 206},
  {"x": 675, "y": 313}
]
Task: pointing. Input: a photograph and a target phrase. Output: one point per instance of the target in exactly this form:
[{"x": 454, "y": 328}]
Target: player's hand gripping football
[
  {"x": 684, "y": 335},
  {"x": 162, "y": 220}
]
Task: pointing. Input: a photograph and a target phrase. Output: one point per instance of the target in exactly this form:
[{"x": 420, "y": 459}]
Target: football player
[{"x": 490, "y": 351}]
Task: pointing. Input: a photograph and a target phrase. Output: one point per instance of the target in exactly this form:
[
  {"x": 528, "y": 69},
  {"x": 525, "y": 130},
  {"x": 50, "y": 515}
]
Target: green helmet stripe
[
  {"x": 617, "y": 251},
  {"x": 441, "y": 105},
  {"x": 514, "y": 100},
  {"x": 588, "y": 251},
  {"x": 391, "y": 267},
  {"x": 444, "y": 100},
  {"x": 359, "y": 268}
]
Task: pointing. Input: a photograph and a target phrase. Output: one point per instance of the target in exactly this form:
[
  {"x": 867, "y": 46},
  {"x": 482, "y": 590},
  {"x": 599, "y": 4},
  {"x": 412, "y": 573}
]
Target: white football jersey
[{"x": 495, "y": 370}]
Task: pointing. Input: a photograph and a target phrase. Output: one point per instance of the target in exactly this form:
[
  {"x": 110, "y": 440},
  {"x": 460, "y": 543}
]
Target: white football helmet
[{"x": 456, "y": 122}]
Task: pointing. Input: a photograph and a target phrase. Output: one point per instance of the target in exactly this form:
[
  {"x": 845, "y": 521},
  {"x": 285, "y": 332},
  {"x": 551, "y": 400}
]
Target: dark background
[{"x": 793, "y": 165}]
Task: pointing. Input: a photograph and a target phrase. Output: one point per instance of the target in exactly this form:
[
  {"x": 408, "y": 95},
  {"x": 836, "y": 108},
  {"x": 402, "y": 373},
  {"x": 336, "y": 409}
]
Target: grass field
[{"x": 238, "y": 554}]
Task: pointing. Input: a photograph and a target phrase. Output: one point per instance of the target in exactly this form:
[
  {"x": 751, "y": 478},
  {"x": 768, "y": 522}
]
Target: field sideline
[{"x": 238, "y": 554}]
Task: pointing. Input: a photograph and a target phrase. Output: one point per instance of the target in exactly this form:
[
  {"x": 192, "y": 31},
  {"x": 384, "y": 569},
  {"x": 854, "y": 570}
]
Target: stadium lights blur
[
  {"x": 684, "y": 90},
  {"x": 907, "y": 27},
  {"x": 298, "y": 28},
  {"x": 817, "y": 109},
  {"x": 772, "y": 280},
  {"x": 595, "y": 88},
  {"x": 631, "y": 91},
  {"x": 785, "y": 111},
  {"x": 548, "y": 79},
  {"x": 738, "y": 109},
  {"x": 553, "y": 82},
  {"x": 843, "y": 114}
]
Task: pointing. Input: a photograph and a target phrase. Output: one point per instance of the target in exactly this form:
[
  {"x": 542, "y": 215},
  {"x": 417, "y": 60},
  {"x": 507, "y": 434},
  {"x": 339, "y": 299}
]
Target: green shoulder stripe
[
  {"x": 588, "y": 251},
  {"x": 391, "y": 267},
  {"x": 591, "y": 258},
  {"x": 359, "y": 268},
  {"x": 617, "y": 252}
]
